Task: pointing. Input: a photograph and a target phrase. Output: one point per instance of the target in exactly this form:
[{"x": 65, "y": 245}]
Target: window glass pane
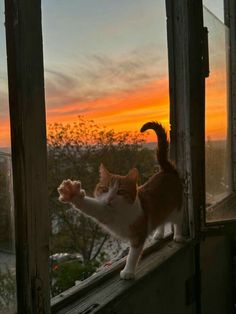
[
  {"x": 106, "y": 75},
  {"x": 217, "y": 133},
  {"x": 7, "y": 245},
  {"x": 216, "y": 7}
]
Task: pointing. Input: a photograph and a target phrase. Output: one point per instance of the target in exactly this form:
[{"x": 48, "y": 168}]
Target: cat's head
[{"x": 113, "y": 187}]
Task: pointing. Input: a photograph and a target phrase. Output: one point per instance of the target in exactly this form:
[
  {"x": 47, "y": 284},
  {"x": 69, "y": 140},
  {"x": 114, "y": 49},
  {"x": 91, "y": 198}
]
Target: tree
[{"x": 75, "y": 151}]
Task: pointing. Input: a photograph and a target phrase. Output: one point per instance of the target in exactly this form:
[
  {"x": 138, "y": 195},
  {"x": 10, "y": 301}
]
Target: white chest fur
[{"x": 120, "y": 215}]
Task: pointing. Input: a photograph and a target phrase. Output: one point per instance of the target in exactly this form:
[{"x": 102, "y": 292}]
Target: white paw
[
  {"x": 127, "y": 275},
  {"x": 179, "y": 238},
  {"x": 68, "y": 190},
  {"x": 158, "y": 236}
]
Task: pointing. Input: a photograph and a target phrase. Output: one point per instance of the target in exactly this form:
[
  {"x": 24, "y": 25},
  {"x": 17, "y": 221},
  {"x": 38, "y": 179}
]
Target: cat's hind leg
[
  {"x": 177, "y": 233},
  {"x": 177, "y": 225},
  {"x": 131, "y": 262},
  {"x": 159, "y": 233}
]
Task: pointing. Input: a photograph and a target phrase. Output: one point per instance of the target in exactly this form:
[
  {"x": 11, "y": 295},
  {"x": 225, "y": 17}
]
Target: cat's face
[{"x": 113, "y": 188}]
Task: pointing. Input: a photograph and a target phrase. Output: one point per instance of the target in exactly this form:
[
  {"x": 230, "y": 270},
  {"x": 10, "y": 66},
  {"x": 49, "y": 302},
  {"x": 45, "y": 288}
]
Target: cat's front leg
[
  {"x": 71, "y": 192},
  {"x": 131, "y": 262}
]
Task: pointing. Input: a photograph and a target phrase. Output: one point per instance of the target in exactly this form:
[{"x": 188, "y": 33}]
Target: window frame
[
  {"x": 187, "y": 104},
  {"x": 187, "y": 72},
  {"x": 29, "y": 153},
  {"x": 28, "y": 133},
  {"x": 230, "y": 21},
  {"x": 227, "y": 226}
]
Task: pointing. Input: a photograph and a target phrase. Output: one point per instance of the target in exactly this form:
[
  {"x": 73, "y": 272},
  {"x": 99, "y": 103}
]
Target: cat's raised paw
[
  {"x": 127, "y": 275},
  {"x": 68, "y": 190}
]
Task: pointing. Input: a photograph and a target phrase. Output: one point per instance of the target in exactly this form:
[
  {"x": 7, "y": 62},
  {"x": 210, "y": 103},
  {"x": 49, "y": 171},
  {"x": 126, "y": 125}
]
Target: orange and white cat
[{"x": 132, "y": 212}]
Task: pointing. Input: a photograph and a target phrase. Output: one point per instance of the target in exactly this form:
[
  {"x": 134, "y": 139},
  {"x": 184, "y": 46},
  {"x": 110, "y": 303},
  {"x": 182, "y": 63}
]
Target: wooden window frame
[
  {"x": 28, "y": 134},
  {"x": 187, "y": 62},
  {"x": 187, "y": 104},
  {"x": 227, "y": 226},
  {"x": 230, "y": 21},
  {"x": 29, "y": 153}
]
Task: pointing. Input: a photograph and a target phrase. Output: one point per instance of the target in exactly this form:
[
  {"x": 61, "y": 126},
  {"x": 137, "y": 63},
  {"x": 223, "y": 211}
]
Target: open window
[
  {"x": 219, "y": 133},
  {"x": 123, "y": 82},
  {"x": 109, "y": 78}
]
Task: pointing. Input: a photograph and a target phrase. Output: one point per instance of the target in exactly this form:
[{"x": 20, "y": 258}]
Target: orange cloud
[
  {"x": 121, "y": 111},
  {"x": 128, "y": 110}
]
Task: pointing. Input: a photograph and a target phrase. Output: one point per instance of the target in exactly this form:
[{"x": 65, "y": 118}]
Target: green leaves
[{"x": 66, "y": 274}]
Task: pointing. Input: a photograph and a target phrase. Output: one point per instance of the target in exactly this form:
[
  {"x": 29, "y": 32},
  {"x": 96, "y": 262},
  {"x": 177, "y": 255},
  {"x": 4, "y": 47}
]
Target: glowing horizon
[
  {"x": 128, "y": 111},
  {"x": 114, "y": 70}
]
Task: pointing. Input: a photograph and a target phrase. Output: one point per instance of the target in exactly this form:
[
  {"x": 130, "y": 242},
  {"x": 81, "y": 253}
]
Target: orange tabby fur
[{"x": 159, "y": 196}]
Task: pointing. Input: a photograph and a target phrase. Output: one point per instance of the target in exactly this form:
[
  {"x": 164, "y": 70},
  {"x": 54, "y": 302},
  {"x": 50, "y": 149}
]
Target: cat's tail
[{"x": 163, "y": 145}]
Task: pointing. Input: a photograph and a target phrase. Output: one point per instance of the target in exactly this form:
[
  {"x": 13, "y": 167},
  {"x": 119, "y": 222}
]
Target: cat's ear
[
  {"x": 104, "y": 173},
  {"x": 133, "y": 174}
]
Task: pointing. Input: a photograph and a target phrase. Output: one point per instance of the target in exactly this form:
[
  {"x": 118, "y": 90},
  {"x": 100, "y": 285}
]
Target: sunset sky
[{"x": 107, "y": 60}]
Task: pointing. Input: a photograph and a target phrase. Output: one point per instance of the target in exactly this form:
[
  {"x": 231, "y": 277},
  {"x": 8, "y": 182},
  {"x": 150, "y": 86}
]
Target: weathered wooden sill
[
  {"x": 223, "y": 212},
  {"x": 95, "y": 292}
]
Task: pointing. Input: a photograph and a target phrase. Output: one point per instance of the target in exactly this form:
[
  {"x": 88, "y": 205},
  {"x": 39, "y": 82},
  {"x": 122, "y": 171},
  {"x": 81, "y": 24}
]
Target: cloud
[
  {"x": 98, "y": 76},
  {"x": 115, "y": 91}
]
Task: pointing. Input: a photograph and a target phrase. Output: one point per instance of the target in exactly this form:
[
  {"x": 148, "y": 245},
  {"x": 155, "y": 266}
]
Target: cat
[{"x": 131, "y": 212}]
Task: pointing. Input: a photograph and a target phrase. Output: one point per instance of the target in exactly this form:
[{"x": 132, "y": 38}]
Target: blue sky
[
  {"x": 94, "y": 50},
  {"x": 88, "y": 39},
  {"x": 93, "y": 26}
]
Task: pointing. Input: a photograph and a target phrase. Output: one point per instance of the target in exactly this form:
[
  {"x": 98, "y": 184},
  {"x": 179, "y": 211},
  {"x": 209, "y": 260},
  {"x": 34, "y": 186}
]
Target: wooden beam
[
  {"x": 29, "y": 153},
  {"x": 187, "y": 68},
  {"x": 187, "y": 102},
  {"x": 230, "y": 21}
]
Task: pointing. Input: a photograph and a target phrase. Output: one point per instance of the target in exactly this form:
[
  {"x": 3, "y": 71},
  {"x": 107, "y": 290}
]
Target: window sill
[
  {"x": 222, "y": 212},
  {"x": 100, "y": 289}
]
